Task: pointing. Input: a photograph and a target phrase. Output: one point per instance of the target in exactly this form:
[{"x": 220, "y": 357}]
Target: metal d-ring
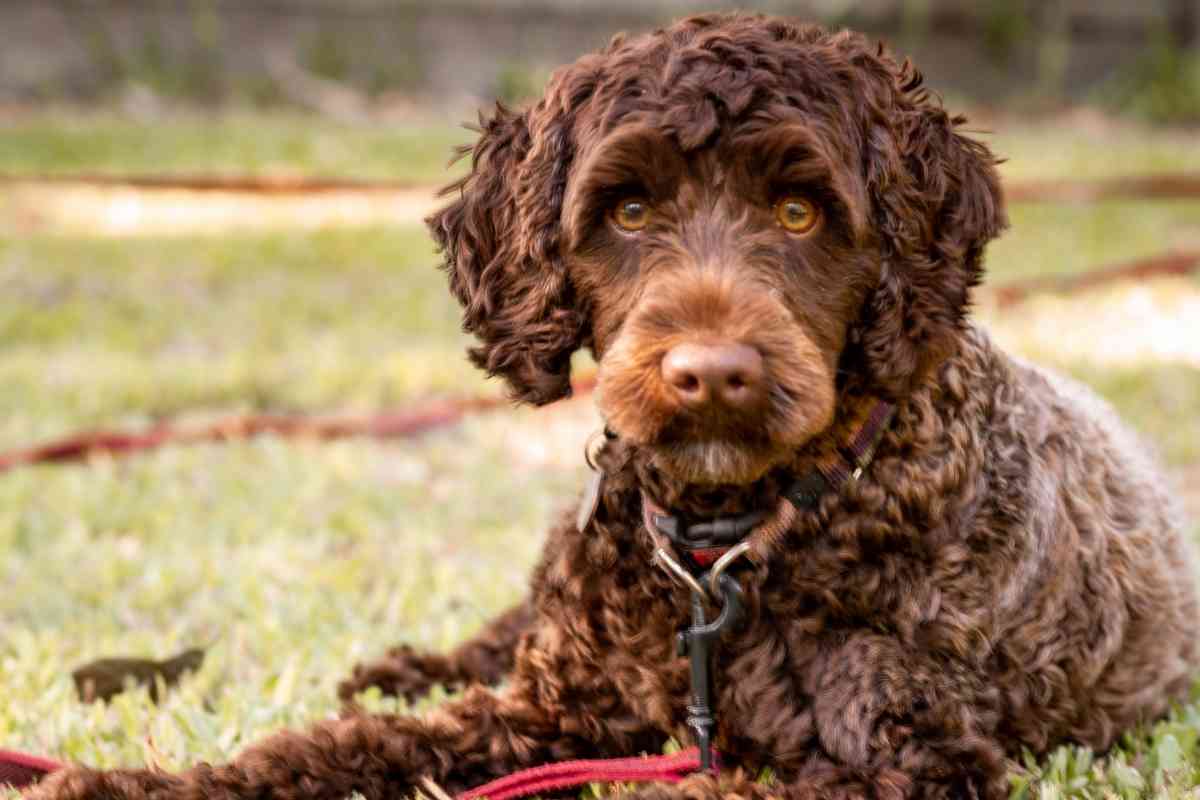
[
  {"x": 731, "y": 555},
  {"x": 672, "y": 566},
  {"x": 591, "y": 448}
]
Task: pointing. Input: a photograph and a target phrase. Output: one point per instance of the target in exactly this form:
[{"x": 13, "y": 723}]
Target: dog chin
[{"x": 715, "y": 461}]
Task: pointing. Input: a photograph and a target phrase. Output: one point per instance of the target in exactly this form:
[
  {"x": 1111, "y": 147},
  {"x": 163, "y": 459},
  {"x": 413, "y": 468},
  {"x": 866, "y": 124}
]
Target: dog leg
[
  {"x": 538, "y": 717},
  {"x": 896, "y": 717},
  {"x": 485, "y": 659}
]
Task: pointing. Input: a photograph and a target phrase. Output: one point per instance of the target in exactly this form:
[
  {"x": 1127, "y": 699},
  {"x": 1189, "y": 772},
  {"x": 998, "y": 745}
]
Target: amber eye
[
  {"x": 631, "y": 214},
  {"x": 796, "y": 214}
]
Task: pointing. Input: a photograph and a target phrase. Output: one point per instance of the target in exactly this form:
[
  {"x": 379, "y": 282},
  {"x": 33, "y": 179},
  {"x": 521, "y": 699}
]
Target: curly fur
[{"x": 1007, "y": 574}]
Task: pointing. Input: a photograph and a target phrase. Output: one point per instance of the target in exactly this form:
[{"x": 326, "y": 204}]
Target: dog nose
[{"x": 708, "y": 374}]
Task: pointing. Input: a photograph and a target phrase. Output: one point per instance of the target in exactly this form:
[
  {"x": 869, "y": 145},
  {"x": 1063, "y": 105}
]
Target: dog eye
[
  {"x": 631, "y": 214},
  {"x": 796, "y": 214}
]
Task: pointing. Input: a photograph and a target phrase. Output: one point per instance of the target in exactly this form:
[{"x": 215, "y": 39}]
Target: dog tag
[{"x": 590, "y": 500}]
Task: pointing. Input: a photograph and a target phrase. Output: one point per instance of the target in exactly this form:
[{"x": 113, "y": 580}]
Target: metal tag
[{"x": 590, "y": 500}]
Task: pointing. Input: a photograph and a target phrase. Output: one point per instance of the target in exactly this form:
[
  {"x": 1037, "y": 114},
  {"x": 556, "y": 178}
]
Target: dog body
[
  {"x": 762, "y": 231},
  {"x": 972, "y": 594}
]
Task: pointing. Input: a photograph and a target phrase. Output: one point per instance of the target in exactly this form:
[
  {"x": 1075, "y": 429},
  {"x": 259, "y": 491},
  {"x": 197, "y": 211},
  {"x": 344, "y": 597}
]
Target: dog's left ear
[
  {"x": 936, "y": 201},
  {"x": 501, "y": 237}
]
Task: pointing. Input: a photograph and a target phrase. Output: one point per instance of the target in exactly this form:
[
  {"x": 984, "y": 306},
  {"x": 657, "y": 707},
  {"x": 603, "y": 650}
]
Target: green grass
[
  {"x": 1082, "y": 150},
  {"x": 230, "y": 144},
  {"x": 1160, "y": 762},
  {"x": 296, "y": 559},
  {"x": 1047, "y": 239},
  {"x": 119, "y": 333}
]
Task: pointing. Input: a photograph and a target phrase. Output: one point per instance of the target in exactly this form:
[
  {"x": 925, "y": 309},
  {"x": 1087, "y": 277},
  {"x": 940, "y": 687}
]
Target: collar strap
[
  {"x": 843, "y": 463},
  {"x": 710, "y": 533},
  {"x": 703, "y": 542}
]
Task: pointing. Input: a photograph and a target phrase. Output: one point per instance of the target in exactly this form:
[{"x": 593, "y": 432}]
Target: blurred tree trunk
[{"x": 1185, "y": 23}]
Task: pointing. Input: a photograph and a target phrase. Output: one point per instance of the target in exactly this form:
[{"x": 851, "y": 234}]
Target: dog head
[{"x": 733, "y": 214}]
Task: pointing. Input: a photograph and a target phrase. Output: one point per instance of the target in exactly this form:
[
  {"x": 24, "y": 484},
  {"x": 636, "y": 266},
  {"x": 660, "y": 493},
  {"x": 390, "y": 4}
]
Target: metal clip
[
  {"x": 677, "y": 570},
  {"x": 696, "y": 643},
  {"x": 718, "y": 569}
]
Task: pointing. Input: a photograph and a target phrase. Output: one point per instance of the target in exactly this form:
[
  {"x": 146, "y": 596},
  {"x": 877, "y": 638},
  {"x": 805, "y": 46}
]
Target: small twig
[{"x": 435, "y": 791}]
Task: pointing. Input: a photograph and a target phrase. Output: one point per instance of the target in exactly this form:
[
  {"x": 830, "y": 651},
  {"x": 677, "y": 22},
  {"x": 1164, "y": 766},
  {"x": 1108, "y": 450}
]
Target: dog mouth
[
  {"x": 704, "y": 510},
  {"x": 716, "y": 458}
]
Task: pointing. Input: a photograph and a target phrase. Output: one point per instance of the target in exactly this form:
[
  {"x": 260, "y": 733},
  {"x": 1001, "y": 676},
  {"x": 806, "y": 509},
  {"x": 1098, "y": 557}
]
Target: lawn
[
  {"x": 291, "y": 560},
  {"x": 68, "y": 143},
  {"x": 121, "y": 332}
]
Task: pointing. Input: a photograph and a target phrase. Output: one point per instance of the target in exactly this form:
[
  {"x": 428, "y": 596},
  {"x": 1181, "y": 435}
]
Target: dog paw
[
  {"x": 863, "y": 694},
  {"x": 404, "y": 673}
]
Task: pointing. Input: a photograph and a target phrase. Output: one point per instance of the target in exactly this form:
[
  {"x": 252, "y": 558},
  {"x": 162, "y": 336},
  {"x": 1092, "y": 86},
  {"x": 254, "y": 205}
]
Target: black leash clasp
[{"x": 696, "y": 642}]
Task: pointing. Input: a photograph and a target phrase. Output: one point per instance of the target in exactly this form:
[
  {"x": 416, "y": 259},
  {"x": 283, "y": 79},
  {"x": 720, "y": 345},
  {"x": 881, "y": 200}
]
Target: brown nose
[{"x": 710, "y": 374}]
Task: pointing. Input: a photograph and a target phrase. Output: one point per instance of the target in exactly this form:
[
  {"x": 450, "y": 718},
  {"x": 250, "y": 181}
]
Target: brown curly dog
[{"x": 767, "y": 235}]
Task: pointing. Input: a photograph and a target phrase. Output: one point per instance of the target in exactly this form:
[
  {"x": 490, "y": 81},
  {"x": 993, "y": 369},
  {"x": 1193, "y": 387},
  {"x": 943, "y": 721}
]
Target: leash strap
[
  {"x": 847, "y": 462},
  {"x": 571, "y": 774},
  {"x": 19, "y": 770}
]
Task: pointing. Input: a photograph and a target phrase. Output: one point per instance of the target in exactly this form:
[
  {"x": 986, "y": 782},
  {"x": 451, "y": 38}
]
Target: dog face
[
  {"x": 720, "y": 284},
  {"x": 732, "y": 214}
]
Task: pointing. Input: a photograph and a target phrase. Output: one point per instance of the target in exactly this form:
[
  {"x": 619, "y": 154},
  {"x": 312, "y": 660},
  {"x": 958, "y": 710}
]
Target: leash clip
[{"x": 696, "y": 643}]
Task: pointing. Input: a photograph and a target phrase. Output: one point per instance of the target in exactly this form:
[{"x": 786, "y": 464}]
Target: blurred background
[
  {"x": 401, "y": 55},
  {"x": 234, "y": 407}
]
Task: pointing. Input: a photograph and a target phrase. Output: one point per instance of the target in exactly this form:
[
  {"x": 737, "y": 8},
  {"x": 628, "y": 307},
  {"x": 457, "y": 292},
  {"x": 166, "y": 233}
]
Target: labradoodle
[{"x": 767, "y": 234}]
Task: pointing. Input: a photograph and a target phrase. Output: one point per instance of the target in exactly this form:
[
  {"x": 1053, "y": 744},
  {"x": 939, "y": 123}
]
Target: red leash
[
  {"x": 20, "y": 771},
  {"x": 388, "y": 425},
  {"x": 569, "y": 774}
]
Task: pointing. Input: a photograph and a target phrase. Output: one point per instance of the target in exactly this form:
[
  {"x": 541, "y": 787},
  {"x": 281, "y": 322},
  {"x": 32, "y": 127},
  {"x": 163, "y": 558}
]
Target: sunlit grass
[
  {"x": 1087, "y": 148},
  {"x": 1048, "y": 239},
  {"x": 68, "y": 143},
  {"x": 118, "y": 333}
]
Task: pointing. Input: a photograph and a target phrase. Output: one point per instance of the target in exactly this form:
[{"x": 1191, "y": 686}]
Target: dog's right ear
[{"x": 500, "y": 238}]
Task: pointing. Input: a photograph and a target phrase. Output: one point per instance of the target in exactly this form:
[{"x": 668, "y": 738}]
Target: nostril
[
  {"x": 684, "y": 373},
  {"x": 687, "y": 382},
  {"x": 736, "y": 381}
]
